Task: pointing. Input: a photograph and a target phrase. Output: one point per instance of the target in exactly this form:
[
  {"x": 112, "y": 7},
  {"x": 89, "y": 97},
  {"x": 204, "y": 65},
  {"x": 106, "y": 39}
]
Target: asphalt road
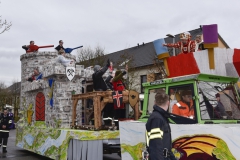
[{"x": 16, "y": 153}]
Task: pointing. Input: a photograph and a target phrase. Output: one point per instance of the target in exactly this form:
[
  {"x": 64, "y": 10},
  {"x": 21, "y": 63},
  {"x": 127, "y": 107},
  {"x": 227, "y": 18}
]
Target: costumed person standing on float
[
  {"x": 186, "y": 44},
  {"x": 98, "y": 82},
  {"x": 118, "y": 85}
]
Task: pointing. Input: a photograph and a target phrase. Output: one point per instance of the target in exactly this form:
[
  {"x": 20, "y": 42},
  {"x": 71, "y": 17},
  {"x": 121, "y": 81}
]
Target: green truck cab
[{"x": 203, "y": 89}]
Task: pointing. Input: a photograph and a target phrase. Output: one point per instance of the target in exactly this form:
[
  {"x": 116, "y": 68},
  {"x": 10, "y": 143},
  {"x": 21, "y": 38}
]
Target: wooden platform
[{"x": 100, "y": 99}]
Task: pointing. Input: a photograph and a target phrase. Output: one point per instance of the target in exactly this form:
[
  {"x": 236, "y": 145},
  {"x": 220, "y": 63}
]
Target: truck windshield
[{"x": 218, "y": 101}]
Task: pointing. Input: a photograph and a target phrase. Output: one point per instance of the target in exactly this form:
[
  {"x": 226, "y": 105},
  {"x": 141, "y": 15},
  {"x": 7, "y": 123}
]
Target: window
[
  {"x": 217, "y": 101},
  {"x": 181, "y": 101},
  {"x": 143, "y": 80},
  {"x": 151, "y": 99}
]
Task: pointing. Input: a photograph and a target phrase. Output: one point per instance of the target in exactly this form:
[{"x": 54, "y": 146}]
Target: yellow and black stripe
[{"x": 153, "y": 134}]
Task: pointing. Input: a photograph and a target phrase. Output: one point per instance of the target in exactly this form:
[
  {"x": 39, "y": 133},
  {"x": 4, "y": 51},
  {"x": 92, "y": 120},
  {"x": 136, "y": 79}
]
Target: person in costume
[
  {"x": 118, "y": 85},
  {"x": 98, "y": 82},
  {"x": 61, "y": 58},
  {"x": 199, "y": 43},
  {"x": 26, "y": 47},
  {"x": 186, "y": 44},
  {"x": 60, "y": 46},
  {"x": 35, "y": 76}
]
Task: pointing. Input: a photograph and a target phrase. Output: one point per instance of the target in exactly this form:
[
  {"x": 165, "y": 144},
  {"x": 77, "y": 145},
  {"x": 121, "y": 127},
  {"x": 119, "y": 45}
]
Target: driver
[{"x": 184, "y": 107}]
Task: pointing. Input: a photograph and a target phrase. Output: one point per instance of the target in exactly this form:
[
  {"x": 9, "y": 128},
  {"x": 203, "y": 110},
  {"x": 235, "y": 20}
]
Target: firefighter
[
  {"x": 158, "y": 131},
  {"x": 4, "y": 129}
]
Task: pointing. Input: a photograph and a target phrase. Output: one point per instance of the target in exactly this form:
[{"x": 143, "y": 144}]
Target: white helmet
[{"x": 185, "y": 35}]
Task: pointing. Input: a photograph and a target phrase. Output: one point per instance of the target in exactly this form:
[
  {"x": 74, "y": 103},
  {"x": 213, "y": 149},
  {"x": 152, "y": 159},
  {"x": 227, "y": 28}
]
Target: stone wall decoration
[{"x": 40, "y": 107}]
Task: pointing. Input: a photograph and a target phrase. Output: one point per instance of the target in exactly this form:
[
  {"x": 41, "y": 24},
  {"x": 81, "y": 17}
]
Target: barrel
[{"x": 162, "y": 51}]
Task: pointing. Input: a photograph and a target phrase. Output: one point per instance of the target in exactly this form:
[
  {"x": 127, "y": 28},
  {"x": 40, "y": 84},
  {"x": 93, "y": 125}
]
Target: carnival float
[{"x": 61, "y": 117}]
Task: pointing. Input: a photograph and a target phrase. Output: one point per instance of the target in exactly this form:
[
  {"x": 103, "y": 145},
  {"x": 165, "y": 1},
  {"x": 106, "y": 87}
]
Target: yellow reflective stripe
[
  {"x": 4, "y": 146},
  {"x": 147, "y": 139},
  {"x": 155, "y": 136},
  {"x": 155, "y": 130},
  {"x": 10, "y": 121},
  {"x": 155, "y": 133},
  {"x": 4, "y": 131}
]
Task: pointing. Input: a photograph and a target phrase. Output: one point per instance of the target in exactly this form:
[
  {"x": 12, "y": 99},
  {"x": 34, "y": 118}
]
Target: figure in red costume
[
  {"x": 186, "y": 44},
  {"x": 118, "y": 85}
]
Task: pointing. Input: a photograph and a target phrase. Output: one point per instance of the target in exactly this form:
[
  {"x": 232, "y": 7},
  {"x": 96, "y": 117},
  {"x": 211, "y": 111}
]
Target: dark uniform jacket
[
  {"x": 158, "y": 135},
  {"x": 98, "y": 82},
  {"x": 5, "y": 120}
]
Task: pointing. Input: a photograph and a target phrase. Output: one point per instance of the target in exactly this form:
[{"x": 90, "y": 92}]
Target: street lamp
[{"x": 173, "y": 37}]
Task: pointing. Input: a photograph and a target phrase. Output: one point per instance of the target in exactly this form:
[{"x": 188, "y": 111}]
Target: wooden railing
[{"x": 100, "y": 99}]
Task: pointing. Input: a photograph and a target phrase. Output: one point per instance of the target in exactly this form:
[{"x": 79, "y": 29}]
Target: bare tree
[
  {"x": 3, "y": 95},
  {"x": 90, "y": 57},
  {"x": 14, "y": 96},
  {"x": 126, "y": 59},
  {"x": 4, "y": 25}
]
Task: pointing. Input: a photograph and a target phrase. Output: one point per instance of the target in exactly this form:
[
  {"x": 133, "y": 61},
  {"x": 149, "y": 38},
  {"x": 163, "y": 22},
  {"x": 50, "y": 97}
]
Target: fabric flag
[
  {"x": 39, "y": 76},
  {"x": 51, "y": 85},
  {"x": 117, "y": 99}
]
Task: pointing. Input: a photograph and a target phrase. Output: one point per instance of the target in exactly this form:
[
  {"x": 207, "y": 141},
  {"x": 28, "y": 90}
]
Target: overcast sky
[{"x": 112, "y": 24}]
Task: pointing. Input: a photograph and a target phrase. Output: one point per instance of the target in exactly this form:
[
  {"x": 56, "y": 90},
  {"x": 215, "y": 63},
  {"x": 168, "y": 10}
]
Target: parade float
[
  {"x": 58, "y": 120},
  {"x": 206, "y": 74}
]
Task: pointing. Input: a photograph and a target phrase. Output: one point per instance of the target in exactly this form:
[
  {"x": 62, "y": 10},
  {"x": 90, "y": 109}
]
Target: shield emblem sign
[
  {"x": 70, "y": 72},
  {"x": 133, "y": 97}
]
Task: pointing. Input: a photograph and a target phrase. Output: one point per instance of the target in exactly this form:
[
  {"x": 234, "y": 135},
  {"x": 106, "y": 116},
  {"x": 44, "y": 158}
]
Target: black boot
[{"x": 4, "y": 150}]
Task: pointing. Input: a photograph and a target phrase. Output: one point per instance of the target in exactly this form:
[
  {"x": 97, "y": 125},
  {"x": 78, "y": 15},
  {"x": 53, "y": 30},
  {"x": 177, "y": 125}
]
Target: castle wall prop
[{"x": 58, "y": 115}]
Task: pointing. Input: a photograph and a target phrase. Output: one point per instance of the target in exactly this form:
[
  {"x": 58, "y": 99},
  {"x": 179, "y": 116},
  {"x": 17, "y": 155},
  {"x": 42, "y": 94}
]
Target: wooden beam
[
  {"x": 74, "y": 111},
  {"x": 97, "y": 112},
  {"x": 136, "y": 111}
]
